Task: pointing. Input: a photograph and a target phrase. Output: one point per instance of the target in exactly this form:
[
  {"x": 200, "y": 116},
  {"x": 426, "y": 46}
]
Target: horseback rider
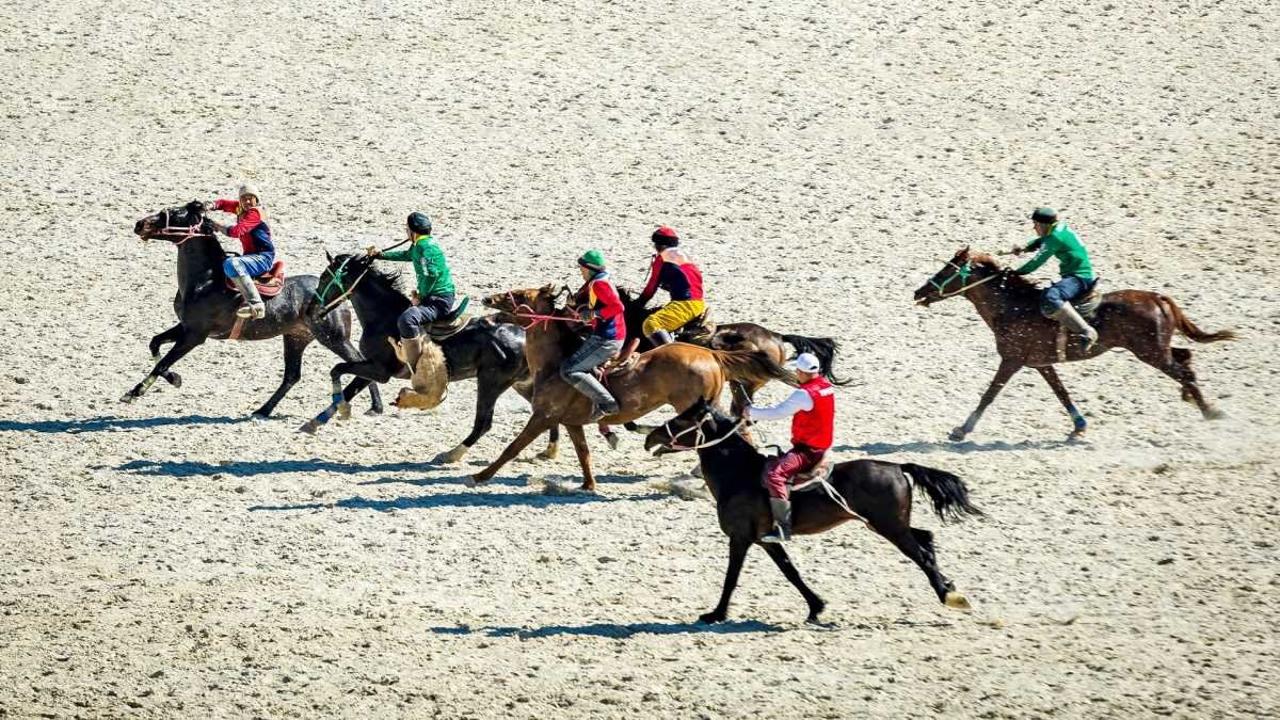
[
  {"x": 434, "y": 296},
  {"x": 1055, "y": 239},
  {"x": 258, "y": 251},
  {"x": 674, "y": 271},
  {"x": 602, "y": 309},
  {"x": 812, "y": 409}
]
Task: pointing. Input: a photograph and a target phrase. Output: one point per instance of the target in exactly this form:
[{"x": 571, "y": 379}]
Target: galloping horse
[
  {"x": 736, "y": 336},
  {"x": 206, "y": 307},
  {"x": 677, "y": 375},
  {"x": 879, "y": 492},
  {"x": 1139, "y": 321},
  {"x": 490, "y": 352}
]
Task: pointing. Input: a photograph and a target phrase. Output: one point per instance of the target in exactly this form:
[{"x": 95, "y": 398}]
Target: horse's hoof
[
  {"x": 309, "y": 427},
  {"x": 174, "y": 379},
  {"x": 1075, "y": 435},
  {"x": 587, "y": 488},
  {"x": 956, "y": 601},
  {"x": 476, "y": 481},
  {"x": 450, "y": 456},
  {"x": 1214, "y": 414},
  {"x": 258, "y": 417},
  {"x": 371, "y": 412},
  {"x": 128, "y": 398},
  {"x": 957, "y": 434},
  {"x": 551, "y": 453},
  {"x": 613, "y": 440},
  {"x": 711, "y": 618},
  {"x": 344, "y": 411}
]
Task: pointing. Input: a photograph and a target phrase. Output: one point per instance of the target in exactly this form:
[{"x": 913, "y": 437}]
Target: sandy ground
[{"x": 169, "y": 559}]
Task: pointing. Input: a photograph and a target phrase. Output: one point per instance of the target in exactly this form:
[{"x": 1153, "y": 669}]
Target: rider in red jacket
[{"x": 812, "y": 409}]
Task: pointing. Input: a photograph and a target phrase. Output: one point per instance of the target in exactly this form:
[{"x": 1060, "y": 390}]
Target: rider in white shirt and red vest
[{"x": 812, "y": 409}]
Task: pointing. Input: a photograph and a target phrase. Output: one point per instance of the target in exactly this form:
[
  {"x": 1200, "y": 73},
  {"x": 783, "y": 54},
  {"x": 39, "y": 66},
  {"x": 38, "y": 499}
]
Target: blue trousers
[
  {"x": 1064, "y": 291},
  {"x": 428, "y": 310},
  {"x": 252, "y": 265}
]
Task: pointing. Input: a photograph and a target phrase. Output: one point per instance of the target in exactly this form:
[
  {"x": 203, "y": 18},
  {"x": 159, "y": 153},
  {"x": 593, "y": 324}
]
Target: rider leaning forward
[
  {"x": 1055, "y": 239},
  {"x": 601, "y": 307},
  {"x": 434, "y": 296},
  {"x": 674, "y": 271},
  {"x": 259, "y": 252},
  {"x": 812, "y": 409}
]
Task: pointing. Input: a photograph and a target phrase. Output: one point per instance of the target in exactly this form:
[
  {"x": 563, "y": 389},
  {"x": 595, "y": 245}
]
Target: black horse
[
  {"x": 206, "y": 307},
  {"x": 489, "y": 351},
  {"x": 879, "y": 492}
]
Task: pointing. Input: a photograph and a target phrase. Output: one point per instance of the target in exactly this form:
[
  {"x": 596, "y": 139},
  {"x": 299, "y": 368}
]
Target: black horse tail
[
  {"x": 823, "y": 348},
  {"x": 752, "y": 367},
  {"x": 948, "y": 492}
]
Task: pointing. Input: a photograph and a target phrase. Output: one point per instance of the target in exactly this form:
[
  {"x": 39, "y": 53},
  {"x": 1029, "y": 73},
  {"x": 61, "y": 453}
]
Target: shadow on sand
[
  {"x": 111, "y": 422},
  {"x": 250, "y": 468},
  {"x": 616, "y": 631},
  {"x": 959, "y": 448},
  {"x": 477, "y": 498}
]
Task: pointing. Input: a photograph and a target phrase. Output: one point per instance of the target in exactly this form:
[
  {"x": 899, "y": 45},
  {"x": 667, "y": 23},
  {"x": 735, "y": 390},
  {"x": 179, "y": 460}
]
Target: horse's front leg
[
  {"x": 366, "y": 372},
  {"x": 737, "y": 553},
  {"x": 536, "y": 426},
  {"x": 579, "y": 438},
  {"x": 1055, "y": 383},
  {"x": 172, "y": 335},
  {"x": 1006, "y": 370},
  {"x": 185, "y": 344}
]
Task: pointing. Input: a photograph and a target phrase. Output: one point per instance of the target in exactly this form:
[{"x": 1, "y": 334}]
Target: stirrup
[{"x": 776, "y": 536}]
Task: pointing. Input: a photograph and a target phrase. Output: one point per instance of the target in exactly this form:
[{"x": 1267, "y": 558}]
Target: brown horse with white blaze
[
  {"x": 677, "y": 374},
  {"x": 1139, "y": 321}
]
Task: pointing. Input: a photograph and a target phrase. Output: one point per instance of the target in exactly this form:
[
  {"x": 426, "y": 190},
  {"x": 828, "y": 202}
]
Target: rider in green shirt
[
  {"x": 435, "y": 293},
  {"x": 1055, "y": 239}
]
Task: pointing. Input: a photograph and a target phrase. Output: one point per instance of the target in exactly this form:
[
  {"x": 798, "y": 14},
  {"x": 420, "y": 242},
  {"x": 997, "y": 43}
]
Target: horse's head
[
  {"x": 176, "y": 224},
  {"x": 536, "y": 301},
  {"x": 690, "y": 430},
  {"x": 338, "y": 280},
  {"x": 954, "y": 276}
]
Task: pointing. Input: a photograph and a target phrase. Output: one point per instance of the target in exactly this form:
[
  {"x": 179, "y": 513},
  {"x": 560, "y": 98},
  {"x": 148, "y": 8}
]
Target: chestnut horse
[
  {"x": 678, "y": 375},
  {"x": 1139, "y": 321}
]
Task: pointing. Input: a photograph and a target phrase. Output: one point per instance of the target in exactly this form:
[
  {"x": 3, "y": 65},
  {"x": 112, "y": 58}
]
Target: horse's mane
[{"x": 1016, "y": 285}]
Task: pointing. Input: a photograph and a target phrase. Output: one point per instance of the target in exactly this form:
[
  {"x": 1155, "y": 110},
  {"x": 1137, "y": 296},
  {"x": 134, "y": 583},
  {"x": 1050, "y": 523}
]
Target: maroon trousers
[{"x": 779, "y": 471}]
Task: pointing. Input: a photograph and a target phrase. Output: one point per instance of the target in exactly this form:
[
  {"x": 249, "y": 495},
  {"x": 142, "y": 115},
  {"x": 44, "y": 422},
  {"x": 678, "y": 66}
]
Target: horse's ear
[
  {"x": 964, "y": 252},
  {"x": 328, "y": 256},
  {"x": 195, "y": 206}
]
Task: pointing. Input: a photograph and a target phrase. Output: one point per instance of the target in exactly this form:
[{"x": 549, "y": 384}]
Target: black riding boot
[{"x": 781, "y": 531}]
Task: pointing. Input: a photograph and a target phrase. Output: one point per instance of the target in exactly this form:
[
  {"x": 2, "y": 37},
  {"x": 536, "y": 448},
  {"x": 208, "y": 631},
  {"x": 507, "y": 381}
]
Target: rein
[
  {"x": 962, "y": 272},
  {"x": 537, "y": 318},
  {"x": 186, "y": 232},
  {"x": 699, "y": 441},
  {"x": 346, "y": 292}
]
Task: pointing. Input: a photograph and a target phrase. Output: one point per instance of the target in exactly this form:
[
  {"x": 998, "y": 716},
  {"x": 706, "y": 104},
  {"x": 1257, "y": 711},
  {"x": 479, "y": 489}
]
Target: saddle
[
  {"x": 452, "y": 322},
  {"x": 1088, "y": 303},
  {"x": 814, "y": 476},
  {"x": 269, "y": 283}
]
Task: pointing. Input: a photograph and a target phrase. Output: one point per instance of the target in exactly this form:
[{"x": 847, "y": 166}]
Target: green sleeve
[
  {"x": 396, "y": 255},
  {"x": 1035, "y": 262},
  {"x": 1035, "y": 244}
]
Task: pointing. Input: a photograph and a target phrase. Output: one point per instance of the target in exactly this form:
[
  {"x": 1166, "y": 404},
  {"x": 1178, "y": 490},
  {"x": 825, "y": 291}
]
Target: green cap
[{"x": 593, "y": 259}]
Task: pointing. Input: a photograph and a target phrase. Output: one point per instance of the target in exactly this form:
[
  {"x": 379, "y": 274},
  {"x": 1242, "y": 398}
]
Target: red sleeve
[
  {"x": 226, "y": 205},
  {"x": 245, "y": 224},
  {"x": 607, "y": 297},
  {"x": 651, "y": 287}
]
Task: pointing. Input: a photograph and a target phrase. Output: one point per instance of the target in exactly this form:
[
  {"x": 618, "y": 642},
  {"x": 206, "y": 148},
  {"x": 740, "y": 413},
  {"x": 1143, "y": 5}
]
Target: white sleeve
[{"x": 797, "y": 401}]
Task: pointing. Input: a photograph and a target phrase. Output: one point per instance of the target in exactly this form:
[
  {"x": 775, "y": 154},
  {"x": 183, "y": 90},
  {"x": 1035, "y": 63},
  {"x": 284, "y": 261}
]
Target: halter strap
[
  {"x": 186, "y": 232},
  {"x": 699, "y": 441},
  {"x": 333, "y": 280},
  {"x": 962, "y": 272}
]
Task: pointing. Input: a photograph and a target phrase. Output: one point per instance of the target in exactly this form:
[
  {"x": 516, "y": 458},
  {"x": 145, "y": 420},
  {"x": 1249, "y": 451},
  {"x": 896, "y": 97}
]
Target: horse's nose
[{"x": 137, "y": 227}]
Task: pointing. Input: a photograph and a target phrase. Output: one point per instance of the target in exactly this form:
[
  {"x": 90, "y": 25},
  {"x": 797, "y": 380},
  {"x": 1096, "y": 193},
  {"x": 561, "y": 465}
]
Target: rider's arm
[
  {"x": 608, "y": 304},
  {"x": 797, "y": 401},
  {"x": 1041, "y": 257},
  {"x": 397, "y": 255},
  {"x": 229, "y": 206},
  {"x": 245, "y": 224},
  {"x": 655, "y": 270}
]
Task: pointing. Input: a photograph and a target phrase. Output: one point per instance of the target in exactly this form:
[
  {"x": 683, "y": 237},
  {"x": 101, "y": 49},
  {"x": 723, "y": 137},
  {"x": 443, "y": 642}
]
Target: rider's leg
[
  {"x": 410, "y": 324},
  {"x": 777, "y": 479},
  {"x": 240, "y": 269},
  {"x": 577, "y": 372},
  {"x": 1056, "y": 303}
]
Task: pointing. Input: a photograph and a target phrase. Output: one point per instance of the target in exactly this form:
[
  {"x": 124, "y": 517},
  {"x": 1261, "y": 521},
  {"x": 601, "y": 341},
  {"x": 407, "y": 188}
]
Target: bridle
[
  {"x": 699, "y": 438},
  {"x": 962, "y": 273},
  {"x": 525, "y": 310},
  {"x": 185, "y": 232},
  {"x": 335, "y": 279}
]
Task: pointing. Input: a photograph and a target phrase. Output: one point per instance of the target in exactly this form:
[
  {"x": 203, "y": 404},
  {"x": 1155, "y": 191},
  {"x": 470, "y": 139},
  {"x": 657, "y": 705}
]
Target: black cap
[
  {"x": 1045, "y": 215},
  {"x": 420, "y": 223}
]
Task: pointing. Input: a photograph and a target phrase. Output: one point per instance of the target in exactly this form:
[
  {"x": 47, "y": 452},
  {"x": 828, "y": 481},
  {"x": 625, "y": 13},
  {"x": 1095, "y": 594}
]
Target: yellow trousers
[{"x": 673, "y": 316}]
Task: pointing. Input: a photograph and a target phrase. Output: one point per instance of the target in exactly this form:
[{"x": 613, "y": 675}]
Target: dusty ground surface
[{"x": 168, "y": 558}]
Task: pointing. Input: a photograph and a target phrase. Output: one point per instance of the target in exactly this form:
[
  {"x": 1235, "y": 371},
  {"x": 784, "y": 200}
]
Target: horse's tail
[
  {"x": 948, "y": 492},
  {"x": 823, "y": 348},
  {"x": 1188, "y": 328},
  {"x": 752, "y": 367}
]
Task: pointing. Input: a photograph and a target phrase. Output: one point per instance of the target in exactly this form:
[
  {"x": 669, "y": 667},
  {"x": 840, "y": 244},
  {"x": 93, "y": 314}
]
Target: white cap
[
  {"x": 249, "y": 189},
  {"x": 806, "y": 362}
]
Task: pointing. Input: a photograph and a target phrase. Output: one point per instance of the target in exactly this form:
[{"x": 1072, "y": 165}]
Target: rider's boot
[
  {"x": 412, "y": 349},
  {"x": 602, "y": 403},
  {"x": 660, "y": 338},
  {"x": 781, "y": 531},
  {"x": 1068, "y": 317},
  {"x": 253, "y": 305}
]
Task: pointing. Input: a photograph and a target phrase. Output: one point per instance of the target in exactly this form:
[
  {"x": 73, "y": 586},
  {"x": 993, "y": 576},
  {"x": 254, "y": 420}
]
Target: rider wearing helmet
[
  {"x": 674, "y": 271},
  {"x": 604, "y": 313},
  {"x": 258, "y": 251},
  {"x": 812, "y": 409},
  {"x": 1055, "y": 239},
  {"x": 434, "y": 296}
]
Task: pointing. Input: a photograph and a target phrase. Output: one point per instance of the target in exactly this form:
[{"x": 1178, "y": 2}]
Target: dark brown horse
[
  {"x": 677, "y": 375},
  {"x": 1139, "y": 321},
  {"x": 879, "y": 492}
]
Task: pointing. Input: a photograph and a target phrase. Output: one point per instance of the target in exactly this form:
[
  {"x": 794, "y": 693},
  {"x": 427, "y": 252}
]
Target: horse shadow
[
  {"x": 111, "y": 422},
  {"x": 252, "y": 468},
  {"x": 958, "y": 448},
  {"x": 459, "y": 500},
  {"x": 616, "y": 631}
]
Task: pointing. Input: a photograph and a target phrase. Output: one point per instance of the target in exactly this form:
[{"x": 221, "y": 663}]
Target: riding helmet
[
  {"x": 419, "y": 223},
  {"x": 1045, "y": 215},
  {"x": 592, "y": 260},
  {"x": 665, "y": 237},
  {"x": 249, "y": 189}
]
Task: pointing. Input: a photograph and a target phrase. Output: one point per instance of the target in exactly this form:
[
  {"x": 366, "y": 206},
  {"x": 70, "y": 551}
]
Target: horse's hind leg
[
  {"x": 337, "y": 338},
  {"x": 488, "y": 390},
  {"x": 918, "y": 545},
  {"x": 185, "y": 344},
  {"x": 532, "y": 429},
  {"x": 1003, "y": 373},
  {"x": 1176, "y": 363},
  {"x": 737, "y": 553},
  {"x": 1055, "y": 383},
  {"x": 579, "y": 438},
  {"x": 780, "y": 558},
  {"x": 294, "y": 345}
]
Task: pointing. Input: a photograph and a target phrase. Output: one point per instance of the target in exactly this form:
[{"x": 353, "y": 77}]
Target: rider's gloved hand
[
  {"x": 372, "y": 251},
  {"x": 1017, "y": 250}
]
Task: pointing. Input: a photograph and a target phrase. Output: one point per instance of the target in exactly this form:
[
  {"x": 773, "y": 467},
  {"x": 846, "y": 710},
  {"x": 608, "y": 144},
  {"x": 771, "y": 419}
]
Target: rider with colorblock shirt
[
  {"x": 259, "y": 252},
  {"x": 812, "y": 409},
  {"x": 1055, "y": 239},
  {"x": 604, "y": 313},
  {"x": 674, "y": 271}
]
